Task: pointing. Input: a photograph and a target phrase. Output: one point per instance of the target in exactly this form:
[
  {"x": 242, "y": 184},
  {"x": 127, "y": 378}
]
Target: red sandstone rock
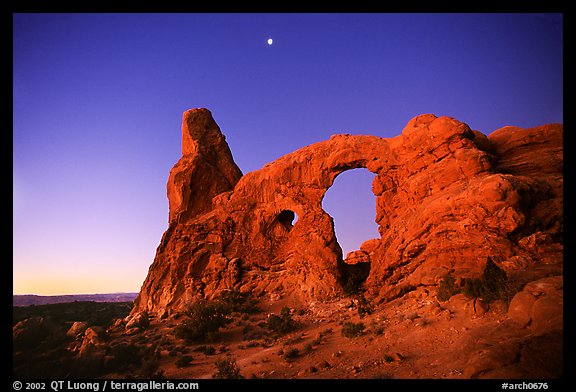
[
  {"x": 205, "y": 170},
  {"x": 357, "y": 256},
  {"x": 447, "y": 198},
  {"x": 76, "y": 329},
  {"x": 520, "y": 308}
]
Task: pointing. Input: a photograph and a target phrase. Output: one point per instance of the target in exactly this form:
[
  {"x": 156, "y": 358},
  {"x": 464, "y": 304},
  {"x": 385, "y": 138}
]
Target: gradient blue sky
[{"x": 98, "y": 101}]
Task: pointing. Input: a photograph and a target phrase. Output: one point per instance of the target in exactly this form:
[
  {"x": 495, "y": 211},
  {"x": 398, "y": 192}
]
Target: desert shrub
[
  {"x": 203, "y": 321},
  {"x": 227, "y": 368},
  {"x": 124, "y": 355},
  {"x": 307, "y": 349},
  {"x": 235, "y": 301},
  {"x": 364, "y": 308},
  {"x": 282, "y": 323},
  {"x": 351, "y": 330},
  {"x": 388, "y": 358},
  {"x": 57, "y": 363},
  {"x": 208, "y": 350},
  {"x": 250, "y": 332},
  {"x": 494, "y": 281},
  {"x": 291, "y": 353},
  {"x": 223, "y": 349},
  {"x": 378, "y": 330},
  {"x": 493, "y": 285},
  {"x": 472, "y": 288},
  {"x": 447, "y": 288},
  {"x": 184, "y": 361}
]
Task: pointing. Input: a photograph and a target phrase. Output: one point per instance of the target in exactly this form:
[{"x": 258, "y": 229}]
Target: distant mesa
[
  {"x": 28, "y": 299},
  {"x": 447, "y": 198}
]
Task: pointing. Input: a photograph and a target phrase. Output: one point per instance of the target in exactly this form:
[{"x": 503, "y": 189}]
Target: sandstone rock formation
[
  {"x": 447, "y": 197},
  {"x": 76, "y": 329}
]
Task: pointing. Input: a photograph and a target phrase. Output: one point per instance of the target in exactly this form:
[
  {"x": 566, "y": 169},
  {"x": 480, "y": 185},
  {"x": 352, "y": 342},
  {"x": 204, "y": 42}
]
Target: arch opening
[
  {"x": 352, "y": 205},
  {"x": 287, "y": 218}
]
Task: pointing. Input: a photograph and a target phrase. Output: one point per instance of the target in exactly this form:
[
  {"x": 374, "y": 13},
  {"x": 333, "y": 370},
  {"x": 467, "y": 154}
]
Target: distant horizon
[{"x": 72, "y": 294}]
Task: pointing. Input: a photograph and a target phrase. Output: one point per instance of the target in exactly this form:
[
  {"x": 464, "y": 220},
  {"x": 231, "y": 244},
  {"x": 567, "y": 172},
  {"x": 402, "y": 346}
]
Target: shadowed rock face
[{"x": 447, "y": 198}]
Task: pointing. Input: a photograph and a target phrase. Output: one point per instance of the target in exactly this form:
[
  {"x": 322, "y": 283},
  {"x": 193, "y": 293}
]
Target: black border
[
  {"x": 527, "y": 6},
  {"x": 426, "y": 6}
]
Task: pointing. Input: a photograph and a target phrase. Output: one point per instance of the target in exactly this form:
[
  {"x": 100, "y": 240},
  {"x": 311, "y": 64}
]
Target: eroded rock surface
[{"x": 447, "y": 197}]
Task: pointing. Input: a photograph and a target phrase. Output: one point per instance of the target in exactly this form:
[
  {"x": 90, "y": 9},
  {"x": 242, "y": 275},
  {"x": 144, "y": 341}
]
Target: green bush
[
  {"x": 203, "y": 321},
  {"x": 351, "y": 330},
  {"x": 493, "y": 285},
  {"x": 227, "y": 369},
  {"x": 283, "y": 323},
  {"x": 447, "y": 288},
  {"x": 235, "y": 301}
]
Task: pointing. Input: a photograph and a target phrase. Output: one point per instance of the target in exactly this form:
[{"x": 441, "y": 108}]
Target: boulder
[
  {"x": 539, "y": 305},
  {"x": 357, "y": 256},
  {"x": 520, "y": 308},
  {"x": 139, "y": 320},
  {"x": 92, "y": 344},
  {"x": 76, "y": 329}
]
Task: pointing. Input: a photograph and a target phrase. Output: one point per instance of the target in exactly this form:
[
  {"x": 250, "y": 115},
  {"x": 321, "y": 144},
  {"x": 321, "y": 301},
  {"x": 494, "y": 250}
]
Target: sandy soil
[{"x": 412, "y": 337}]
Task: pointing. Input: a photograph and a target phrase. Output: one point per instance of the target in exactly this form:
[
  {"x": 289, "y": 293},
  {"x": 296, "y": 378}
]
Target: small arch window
[{"x": 287, "y": 218}]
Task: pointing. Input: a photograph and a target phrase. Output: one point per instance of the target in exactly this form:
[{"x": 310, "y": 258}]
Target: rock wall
[{"x": 447, "y": 197}]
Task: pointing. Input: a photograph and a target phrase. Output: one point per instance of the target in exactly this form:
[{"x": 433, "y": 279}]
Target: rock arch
[{"x": 445, "y": 200}]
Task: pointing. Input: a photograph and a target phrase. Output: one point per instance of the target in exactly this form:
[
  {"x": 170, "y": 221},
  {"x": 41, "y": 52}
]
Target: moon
[{"x": 270, "y": 41}]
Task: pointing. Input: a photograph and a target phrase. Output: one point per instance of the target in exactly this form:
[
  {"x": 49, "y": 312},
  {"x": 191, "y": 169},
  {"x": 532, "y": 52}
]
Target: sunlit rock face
[{"x": 447, "y": 197}]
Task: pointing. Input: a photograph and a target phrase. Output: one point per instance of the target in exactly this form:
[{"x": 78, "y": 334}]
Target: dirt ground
[{"x": 412, "y": 337}]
